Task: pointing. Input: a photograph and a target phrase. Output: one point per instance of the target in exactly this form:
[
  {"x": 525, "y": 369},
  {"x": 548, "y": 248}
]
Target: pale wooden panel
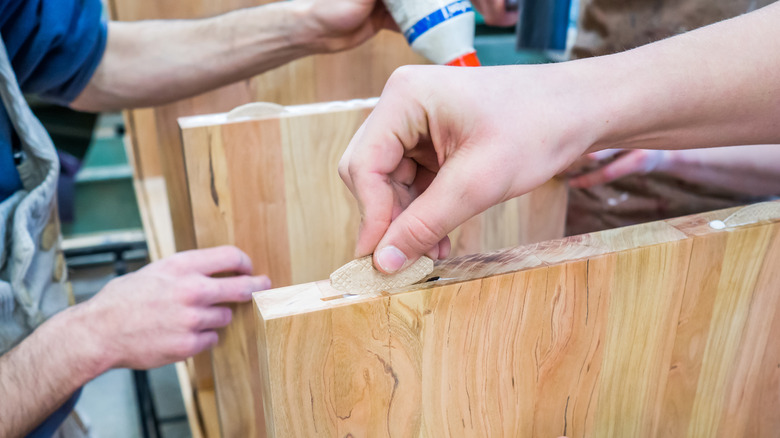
[
  {"x": 665, "y": 329},
  {"x": 645, "y": 302},
  {"x": 322, "y": 215},
  {"x": 225, "y": 215},
  {"x": 207, "y": 413},
  {"x": 269, "y": 185},
  {"x": 314, "y": 369}
]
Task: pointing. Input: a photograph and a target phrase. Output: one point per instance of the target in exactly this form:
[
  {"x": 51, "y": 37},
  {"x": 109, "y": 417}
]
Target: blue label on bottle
[{"x": 437, "y": 17}]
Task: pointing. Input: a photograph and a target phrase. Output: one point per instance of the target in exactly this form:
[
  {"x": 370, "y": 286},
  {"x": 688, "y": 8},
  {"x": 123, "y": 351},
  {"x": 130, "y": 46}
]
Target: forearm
[
  {"x": 154, "y": 62},
  {"x": 716, "y": 86},
  {"x": 42, "y": 372},
  {"x": 749, "y": 170}
]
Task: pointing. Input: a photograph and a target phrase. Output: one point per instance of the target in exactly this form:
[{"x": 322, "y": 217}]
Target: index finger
[
  {"x": 210, "y": 261},
  {"x": 376, "y": 151},
  {"x": 368, "y": 177}
]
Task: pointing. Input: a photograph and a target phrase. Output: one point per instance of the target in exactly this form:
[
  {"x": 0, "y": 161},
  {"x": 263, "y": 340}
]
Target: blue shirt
[{"x": 55, "y": 47}]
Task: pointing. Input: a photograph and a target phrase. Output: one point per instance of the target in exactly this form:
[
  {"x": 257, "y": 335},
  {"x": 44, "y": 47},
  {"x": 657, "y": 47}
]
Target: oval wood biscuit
[{"x": 360, "y": 277}]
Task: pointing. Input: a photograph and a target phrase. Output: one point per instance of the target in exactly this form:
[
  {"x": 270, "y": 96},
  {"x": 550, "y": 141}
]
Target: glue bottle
[{"x": 440, "y": 30}]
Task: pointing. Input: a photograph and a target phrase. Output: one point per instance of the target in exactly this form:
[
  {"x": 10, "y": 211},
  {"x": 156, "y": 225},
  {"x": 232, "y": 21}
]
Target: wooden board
[
  {"x": 270, "y": 186},
  {"x": 661, "y": 329}
]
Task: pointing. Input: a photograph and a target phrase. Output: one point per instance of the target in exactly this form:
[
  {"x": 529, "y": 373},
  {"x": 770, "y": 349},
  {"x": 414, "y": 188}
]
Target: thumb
[{"x": 448, "y": 202}]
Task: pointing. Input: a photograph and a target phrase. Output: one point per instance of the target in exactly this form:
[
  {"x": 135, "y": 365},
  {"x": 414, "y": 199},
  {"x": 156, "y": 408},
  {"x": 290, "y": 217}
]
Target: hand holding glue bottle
[{"x": 440, "y": 30}]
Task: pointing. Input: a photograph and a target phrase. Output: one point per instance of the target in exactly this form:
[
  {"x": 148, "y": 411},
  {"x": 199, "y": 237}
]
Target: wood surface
[
  {"x": 663, "y": 329},
  {"x": 269, "y": 185}
]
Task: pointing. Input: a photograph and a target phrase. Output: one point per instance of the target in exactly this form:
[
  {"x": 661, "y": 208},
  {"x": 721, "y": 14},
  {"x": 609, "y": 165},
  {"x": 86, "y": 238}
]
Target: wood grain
[
  {"x": 269, "y": 185},
  {"x": 665, "y": 329}
]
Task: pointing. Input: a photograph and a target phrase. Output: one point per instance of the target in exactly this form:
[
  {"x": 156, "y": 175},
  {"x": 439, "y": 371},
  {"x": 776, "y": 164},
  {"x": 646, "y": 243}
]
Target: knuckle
[
  {"x": 240, "y": 288},
  {"x": 226, "y": 316},
  {"x": 187, "y": 345},
  {"x": 423, "y": 234},
  {"x": 353, "y": 168},
  {"x": 233, "y": 255},
  {"x": 344, "y": 169},
  {"x": 402, "y": 76},
  {"x": 194, "y": 289},
  {"x": 192, "y": 320},
  {"x": 245, "y": 284},
  {"x": 173, "y": 263}
]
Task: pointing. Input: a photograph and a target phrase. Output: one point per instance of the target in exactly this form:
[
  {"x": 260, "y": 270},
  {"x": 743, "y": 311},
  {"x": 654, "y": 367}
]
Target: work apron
[{"x": 32, "y": 268}]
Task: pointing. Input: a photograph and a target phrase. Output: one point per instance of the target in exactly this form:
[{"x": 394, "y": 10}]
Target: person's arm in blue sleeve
[
  {"x": 153, "y": 62},
  {"x": 54, "y": 47}
]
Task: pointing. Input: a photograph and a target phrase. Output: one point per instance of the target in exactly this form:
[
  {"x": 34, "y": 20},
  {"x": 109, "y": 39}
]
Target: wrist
[
  {"x": 303, "y": 30},
  {"x": 272, "y": 31},
  {"x": 579, "y": 119},
  {"x": 84, "y": 330}
]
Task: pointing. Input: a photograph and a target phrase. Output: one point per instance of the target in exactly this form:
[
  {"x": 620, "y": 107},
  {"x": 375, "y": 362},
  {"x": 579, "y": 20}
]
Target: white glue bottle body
[{"x": 440, "y": 30}]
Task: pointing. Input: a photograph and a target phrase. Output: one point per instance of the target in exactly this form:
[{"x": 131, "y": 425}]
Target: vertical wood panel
[
  {"x": 643, "y": 314},
  {"x": 667, "y": 333},
  {"x": 693, "y": 329},
  {"x": 742, "y": 395},
  {"x": 307, "y": 369},
  {"x": 320, "y": 208},
  {"x": 364, "y": 380},
  {"x": 729, "y": 316}
]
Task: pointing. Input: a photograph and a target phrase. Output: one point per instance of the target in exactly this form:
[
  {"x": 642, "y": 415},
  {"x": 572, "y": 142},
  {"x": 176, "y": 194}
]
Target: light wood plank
[{"x": 665, "y": 332}]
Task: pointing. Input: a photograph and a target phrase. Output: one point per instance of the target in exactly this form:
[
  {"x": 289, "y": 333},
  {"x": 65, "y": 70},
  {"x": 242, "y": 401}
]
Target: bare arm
[
  {"x": 429, "y": 159},
  {"x": 163, "y": 313},
  {"x": 746, "y": 170},
  {"x": 751, "y": 170},
  {"x": 153, "y": 62},
  {"x": 42, "y": 372}
]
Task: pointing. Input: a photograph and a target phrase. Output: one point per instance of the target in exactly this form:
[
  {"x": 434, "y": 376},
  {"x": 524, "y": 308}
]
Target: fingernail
[{"x": 391, "y": 259}]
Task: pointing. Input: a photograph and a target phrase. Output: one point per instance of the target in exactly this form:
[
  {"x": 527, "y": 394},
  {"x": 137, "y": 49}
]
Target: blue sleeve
[{"x": 55, "y": 46}]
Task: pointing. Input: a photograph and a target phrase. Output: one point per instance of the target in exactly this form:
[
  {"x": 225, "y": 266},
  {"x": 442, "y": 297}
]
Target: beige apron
[{"x": 32, "y": 268}]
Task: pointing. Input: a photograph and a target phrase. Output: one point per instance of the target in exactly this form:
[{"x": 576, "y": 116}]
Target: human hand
[
  {"x": 444, "y": 144},
  {"x": 169, "y": 310},
  {"x": 342, "y": 24},
  {"x": 609, "y": 165},
  {"x": 495, "y": 12}
]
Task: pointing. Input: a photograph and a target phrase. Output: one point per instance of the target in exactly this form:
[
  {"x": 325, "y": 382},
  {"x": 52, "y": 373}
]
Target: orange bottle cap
[{"x": 467, "y": 60}]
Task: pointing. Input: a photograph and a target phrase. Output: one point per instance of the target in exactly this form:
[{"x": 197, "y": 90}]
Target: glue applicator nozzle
[{"x": 468, "y": 60}]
